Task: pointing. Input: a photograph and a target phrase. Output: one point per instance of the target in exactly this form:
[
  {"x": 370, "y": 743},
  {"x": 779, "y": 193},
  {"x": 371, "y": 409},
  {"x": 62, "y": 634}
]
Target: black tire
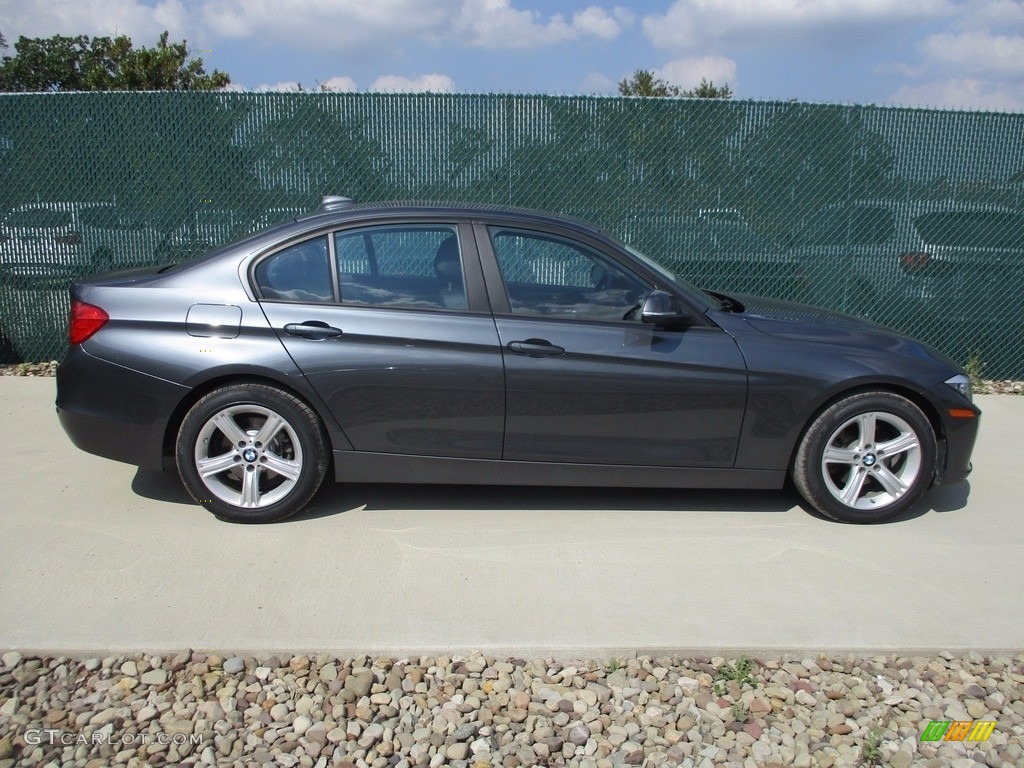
[
  {"x": 241, "y": 484},
  {"x": 855, "y": 482}
]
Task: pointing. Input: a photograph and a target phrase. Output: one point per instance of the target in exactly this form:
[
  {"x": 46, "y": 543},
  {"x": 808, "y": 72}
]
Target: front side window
[
  {"x": 299, "y": 272},
  {"x": 408, "y": 266},
  {"x": 557, "y": 277}
]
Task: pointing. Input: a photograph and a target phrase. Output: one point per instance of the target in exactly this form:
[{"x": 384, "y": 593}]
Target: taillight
[
  {"x": 913, "y": 261},
  {"x": 85, "y": 320}
]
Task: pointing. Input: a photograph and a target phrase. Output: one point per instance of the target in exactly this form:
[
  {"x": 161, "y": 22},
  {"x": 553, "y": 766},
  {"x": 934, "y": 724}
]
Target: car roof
[
  {"x": 425, "y": 208},
  {"x": 352, "y": 212}
]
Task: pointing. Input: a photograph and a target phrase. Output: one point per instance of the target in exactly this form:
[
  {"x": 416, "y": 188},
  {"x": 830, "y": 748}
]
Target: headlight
[{"x": 962, "y": 384}]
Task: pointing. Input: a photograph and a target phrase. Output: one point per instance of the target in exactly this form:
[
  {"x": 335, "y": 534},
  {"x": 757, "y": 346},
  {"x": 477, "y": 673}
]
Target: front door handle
[
  {"x": 312, "y": 329},
  {"x": 535, "y": 348}
]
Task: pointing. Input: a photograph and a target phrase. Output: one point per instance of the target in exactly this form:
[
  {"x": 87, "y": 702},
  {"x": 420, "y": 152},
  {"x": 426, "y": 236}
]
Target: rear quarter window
[{"x": 300, "y": 273}]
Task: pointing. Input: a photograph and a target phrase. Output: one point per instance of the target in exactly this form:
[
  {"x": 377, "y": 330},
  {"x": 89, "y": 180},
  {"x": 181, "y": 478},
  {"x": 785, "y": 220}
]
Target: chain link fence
[{"x": 911, "y": 217}]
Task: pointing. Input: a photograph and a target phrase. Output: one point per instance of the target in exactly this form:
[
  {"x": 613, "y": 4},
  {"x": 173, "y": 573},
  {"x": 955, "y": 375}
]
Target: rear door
[{"x": 390, "y": 325}]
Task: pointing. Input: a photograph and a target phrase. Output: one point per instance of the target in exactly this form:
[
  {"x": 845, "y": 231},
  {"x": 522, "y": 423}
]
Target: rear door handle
[
  {"x": 312, "y": 329},
  {"x": 535, "y": 348}
]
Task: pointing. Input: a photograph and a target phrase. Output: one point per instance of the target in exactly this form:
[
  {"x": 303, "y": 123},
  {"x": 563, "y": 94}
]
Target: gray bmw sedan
[{"x": 412, "y": 343}]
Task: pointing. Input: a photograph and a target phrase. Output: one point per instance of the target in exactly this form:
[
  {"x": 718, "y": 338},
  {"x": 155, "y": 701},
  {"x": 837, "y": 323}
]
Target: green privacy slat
[{"x": 909, "y": 216}]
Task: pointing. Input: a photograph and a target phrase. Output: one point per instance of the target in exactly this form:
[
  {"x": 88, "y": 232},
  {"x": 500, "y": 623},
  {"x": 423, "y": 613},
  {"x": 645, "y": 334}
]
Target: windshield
[{"x": 691, "y": 292}]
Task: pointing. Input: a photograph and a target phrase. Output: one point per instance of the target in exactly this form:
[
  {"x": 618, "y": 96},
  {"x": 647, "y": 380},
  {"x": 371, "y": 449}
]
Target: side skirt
[{"x": 361, "y": 467}]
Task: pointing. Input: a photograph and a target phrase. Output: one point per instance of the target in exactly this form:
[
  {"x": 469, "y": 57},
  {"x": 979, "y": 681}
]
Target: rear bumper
[{"x": 112, "y": 411}]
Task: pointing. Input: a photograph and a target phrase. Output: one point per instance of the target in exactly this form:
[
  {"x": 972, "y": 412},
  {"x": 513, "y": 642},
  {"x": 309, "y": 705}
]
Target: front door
[{"x": 587, "y": 382}]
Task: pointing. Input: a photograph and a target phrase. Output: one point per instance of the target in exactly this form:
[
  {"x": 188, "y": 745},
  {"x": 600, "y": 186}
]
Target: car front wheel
[
  {"x": 866, "y": 458},
  {"x": 251, "y": 453}
]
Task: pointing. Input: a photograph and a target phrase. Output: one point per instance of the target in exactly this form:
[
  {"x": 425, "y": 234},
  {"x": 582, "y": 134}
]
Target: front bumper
[{"x": 960, "y": 434}]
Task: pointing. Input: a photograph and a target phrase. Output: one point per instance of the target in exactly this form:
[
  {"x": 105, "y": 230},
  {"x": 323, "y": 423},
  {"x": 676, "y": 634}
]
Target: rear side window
[
  {"x": 972, "y": 229},
  {"x": 300, "y": 272},
  {"x": 408, "y": 266}
]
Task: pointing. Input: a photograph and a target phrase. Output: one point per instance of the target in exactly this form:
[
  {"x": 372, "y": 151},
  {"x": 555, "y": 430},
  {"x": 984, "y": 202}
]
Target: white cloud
[
  {"x": 976, "y": 61},
  {"x": 366, "y": 25},
  {"x": 977, "y": 51},
  {"x": 986, "y": 14},
  {"x": 497, "y": 24},
  {"x": 139, "y": 21},
  {"x": 689, "y": 23},
  {"x": 288, "y": 86},
  {"x": 965, "y": 93},
  {"x": 322, "y": 25},
  {"x": 690, "y": 71},
  {"x": 432, "y": 83},
  {"x": 597, "y": 22},
  {"x": 595, "y": 82},
  {"x": 339, "y": 83},
  {"x": 336, "y": 24}
]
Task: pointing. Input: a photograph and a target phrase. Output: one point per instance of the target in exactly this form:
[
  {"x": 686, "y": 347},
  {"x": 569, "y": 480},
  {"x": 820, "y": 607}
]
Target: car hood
[
  {"x": 776, "y": 315},
  {"x": 802, "y": 321}
]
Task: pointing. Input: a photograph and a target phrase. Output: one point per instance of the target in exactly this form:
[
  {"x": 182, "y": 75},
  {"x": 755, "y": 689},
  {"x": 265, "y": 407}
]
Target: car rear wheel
[
  {"x": 251, "y": 453},
  {"x": 866, "y": 458}
]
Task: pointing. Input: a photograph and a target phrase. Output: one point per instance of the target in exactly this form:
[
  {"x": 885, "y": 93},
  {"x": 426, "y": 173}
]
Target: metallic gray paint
[{"x": 440, "y": 396}]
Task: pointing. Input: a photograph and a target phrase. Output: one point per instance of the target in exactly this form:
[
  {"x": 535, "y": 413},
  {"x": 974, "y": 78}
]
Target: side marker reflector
[{"x": 961, "y": 413}]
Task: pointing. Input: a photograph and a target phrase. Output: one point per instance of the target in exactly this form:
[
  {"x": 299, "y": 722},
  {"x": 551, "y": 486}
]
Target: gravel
[
  {"x": 473, "y": 711},
  {"x": 480, "y": 712},
  {"x": 48, "y": 368}
]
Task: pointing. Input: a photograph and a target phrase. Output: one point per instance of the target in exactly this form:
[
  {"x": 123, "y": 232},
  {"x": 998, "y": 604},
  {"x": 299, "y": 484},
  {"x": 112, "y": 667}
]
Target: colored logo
[{"x": 958, "y": 730}]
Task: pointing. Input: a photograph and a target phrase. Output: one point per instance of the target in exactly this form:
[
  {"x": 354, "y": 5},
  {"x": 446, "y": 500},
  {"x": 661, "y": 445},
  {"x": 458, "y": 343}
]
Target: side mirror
[{"x": 664, "y": 309}]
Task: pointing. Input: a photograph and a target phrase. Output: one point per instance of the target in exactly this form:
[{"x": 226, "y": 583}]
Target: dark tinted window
[
  {"x": 728, "y": 237},
  {"x": 553, "y": 276},
  {"x": 871, "y": 225},
  {"x": 858, "y": 225},
  {"x": 121, "y": 218},
  {"x": 38, "y": 217},
  {"x": 298, "y": 273},
  {"x": 972, "y": 229},
  {"x": 407, "y": 266}
]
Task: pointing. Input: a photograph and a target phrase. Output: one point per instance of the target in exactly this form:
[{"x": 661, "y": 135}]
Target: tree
[
  {"x": 708, "y": 90},
  {"x": 644, "y": 83},
  {"x": 61, "y": 63}
]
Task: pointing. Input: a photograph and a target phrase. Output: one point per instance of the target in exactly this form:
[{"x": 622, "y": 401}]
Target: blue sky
[{"x": 950, "y": 53}]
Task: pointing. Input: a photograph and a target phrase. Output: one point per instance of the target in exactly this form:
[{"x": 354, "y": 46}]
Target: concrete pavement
[{"x": 98, "y": 556}]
